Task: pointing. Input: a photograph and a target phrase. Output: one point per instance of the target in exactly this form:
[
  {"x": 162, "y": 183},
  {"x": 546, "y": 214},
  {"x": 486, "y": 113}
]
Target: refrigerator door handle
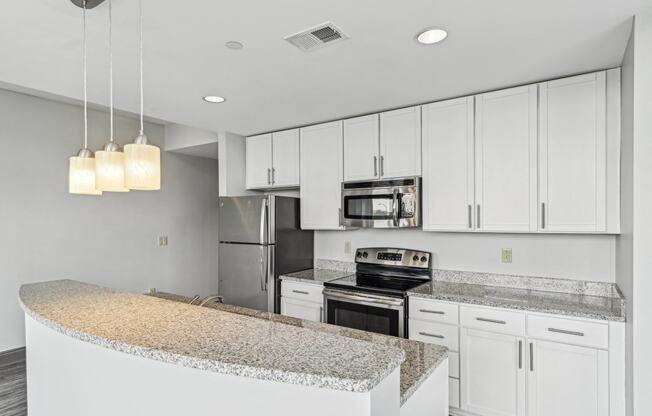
[
  {"x": 263, "y": 271},
  {"x": 263, "y": 221}
]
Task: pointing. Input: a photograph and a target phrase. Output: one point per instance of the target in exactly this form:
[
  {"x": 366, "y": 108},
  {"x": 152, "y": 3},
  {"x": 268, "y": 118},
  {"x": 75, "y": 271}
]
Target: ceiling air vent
[{"x": 316, "y": 37}]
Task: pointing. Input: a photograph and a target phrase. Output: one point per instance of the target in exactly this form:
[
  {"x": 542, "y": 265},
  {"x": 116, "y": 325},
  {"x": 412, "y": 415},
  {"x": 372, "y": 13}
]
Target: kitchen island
[{"x": 93, "y": 350}]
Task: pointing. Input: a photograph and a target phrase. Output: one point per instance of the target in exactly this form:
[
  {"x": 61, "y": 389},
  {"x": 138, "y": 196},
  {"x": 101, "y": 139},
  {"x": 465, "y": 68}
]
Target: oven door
[{"x": 364, "y": 311}]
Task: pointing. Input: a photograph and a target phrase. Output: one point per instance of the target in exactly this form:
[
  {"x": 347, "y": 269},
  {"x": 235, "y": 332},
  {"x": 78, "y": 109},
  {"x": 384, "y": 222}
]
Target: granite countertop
[
  {"x": 315, "y": 276},
  {"x": 421, "y": 358},
  {"x": 210, "y": 340},
  {"x": 610, "y": 308}
]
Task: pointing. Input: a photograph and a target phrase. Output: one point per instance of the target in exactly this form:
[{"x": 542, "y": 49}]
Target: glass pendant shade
[
  {"x": 142, "y": 165},
  {"x": 110, "y": 170},
  {"x": 81, "y": 174}
]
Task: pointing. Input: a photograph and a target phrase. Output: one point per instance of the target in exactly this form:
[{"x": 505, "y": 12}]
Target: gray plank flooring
[{"x": 13, "y": 387}]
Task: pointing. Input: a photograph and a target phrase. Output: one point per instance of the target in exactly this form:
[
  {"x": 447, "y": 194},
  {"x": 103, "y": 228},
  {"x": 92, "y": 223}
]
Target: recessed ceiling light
[
  {"x": 234, "y": 44},
  {"x": 431, "y": 36},
  {"x": 214, "y": 99}
]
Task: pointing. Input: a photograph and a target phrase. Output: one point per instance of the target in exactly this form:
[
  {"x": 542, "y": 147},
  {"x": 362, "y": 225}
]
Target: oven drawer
[
  {"x": 493, "y": 319},
  {"x": 435, "y": 333},
  {"x": 568, "y": 331},
  {"x": 302, "y": 291},
  {"x": 434, "y": 311}
]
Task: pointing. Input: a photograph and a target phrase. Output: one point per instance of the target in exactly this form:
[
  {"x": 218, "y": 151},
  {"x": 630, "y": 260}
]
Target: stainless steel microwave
[{"x": 392, "y": 203}]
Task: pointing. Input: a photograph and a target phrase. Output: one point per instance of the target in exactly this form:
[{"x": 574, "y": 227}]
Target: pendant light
[
  {"x": 110, "y": 161},
  {"x": 81, "y": 169},
  {"x": 142, "y": 160}
]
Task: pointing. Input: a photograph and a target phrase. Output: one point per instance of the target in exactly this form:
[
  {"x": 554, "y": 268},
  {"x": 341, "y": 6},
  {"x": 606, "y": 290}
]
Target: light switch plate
[
  {"x": 347, "y": 247},
  {"x": 163, "y": 240},
  {"x": 506, "y": 255}
]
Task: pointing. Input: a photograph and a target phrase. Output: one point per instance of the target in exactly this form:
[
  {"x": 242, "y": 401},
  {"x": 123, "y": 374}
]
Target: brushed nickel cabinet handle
[
  {"x": 382, "y": 166},
  {"x": 269, "y": 176},
  {"x": 435, "y": 312},
  {"x": 564, "y": 331},
  {"x": 273, "y": 176},
  {"x": 301, "y": 292},
  {"x": 531, "y": 356},
  {"x": 375, "y": 165},
  {"x": 426, "y": 334},
  {"x": 478, "y": 217},
  {"x": 470, "y": 216},
  {"x": 520, "y": 355},
  {"x": 543, "y": 215},
  {"x": 493, "y": 321}
]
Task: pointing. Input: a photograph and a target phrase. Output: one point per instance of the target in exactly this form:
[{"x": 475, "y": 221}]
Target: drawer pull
[
  {"x": 520, "y": 354},
  {"x": 563, "y": 331},
  {"x": 301, "y": 292},
  {"x": 426, "y": 334},
  {"x": 435, "y": 312},
  {"x": 493, "y": 321}
]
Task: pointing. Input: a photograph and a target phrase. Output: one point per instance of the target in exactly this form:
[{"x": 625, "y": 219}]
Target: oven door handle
[
  {"x": 369, "y": 299},
  {"x": 395, "y": 206}
]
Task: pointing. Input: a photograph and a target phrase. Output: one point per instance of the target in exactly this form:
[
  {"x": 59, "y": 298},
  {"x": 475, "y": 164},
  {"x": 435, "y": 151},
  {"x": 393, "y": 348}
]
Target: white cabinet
[
  {"x": 361, "y": 158},
  {"x": 567, "y": 380},
  {"x": 259, "y": 161},
  {"x": 321, "y": 164},
  {"x": 400, "y": 143},
  {"x": 448, "y": 165},
  {"x": 285, "y": 163},
  {"x": 572, "y": 154},
  {"x": 272, "y": 160},
  {"x": 301, "y": 309},
  {"x": 506, "y": 160}
]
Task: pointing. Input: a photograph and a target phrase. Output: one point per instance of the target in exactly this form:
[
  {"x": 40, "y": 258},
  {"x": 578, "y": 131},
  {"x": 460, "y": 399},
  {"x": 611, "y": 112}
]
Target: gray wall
[{"x": 111, "y": 240}]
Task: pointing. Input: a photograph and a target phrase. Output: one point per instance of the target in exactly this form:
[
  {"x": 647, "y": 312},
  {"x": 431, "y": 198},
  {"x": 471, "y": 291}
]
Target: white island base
[{"x": 70, "y": 377}]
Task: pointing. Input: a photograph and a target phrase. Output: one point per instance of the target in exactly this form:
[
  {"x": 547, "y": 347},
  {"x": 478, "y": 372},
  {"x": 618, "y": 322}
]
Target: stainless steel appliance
[
  {"x": 375, "y": 298},
  {"x": 394, "y": 203},
  {"x": 260, "y": 238}
]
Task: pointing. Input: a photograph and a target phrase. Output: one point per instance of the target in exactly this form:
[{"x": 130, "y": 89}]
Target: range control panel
[{"x": 393, "y": 257}]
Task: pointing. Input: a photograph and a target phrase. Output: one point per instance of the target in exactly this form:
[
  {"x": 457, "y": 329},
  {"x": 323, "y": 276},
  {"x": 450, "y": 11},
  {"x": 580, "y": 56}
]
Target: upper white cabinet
[
  {"x": 272, "y": 160},
  {"x": 506, "y": 160},
  {"x": 448, "y": 165},
  {"x": 400, "y": 143},
  {"x": 321, "y": 176},
  {"x": 361, "y": 152},
  {"x": 385, "y": 145},
  {"x": 259, "y": 161},
  {"x": 573, "y": 160}
]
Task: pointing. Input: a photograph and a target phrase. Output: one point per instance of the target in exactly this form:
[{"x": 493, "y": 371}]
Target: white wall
[
  {"x": 46, "y": 233},
  {"x": 563, "y": 256},
  {"x": 634, "y": 247}
]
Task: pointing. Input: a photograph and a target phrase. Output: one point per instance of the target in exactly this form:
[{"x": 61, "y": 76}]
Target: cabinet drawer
[
  {"x": 302, "y": 291},
  {"x": 435, "y": 333},
  {"x": 453, "y": 364},
  {"x": 453, "y": 392},
  {"x": 492, "y": 319},
  {"x": 568, "y": 331},
  {"x": 434, "y": 311}
]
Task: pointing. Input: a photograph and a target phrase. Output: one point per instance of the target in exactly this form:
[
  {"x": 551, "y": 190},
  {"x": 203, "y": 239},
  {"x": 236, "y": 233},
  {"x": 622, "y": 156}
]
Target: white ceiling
[{"x": 271, "y": 85}]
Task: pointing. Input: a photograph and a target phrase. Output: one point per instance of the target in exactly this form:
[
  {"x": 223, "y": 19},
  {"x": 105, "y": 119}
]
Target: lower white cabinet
[
  {"x": 492, "y": 374},
  {"x": 567, "y": 380},
  {"x": 301, "y": 309}
]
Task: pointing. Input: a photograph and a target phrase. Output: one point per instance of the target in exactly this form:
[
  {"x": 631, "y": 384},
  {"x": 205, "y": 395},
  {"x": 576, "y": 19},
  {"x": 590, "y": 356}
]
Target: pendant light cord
[
  {"x": 85, "y": 88},
  {"x": 111, "y": 70},
  {"x": 142, "y": 128}
]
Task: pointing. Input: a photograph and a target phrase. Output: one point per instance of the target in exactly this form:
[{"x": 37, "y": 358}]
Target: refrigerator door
[
  {"x": 244, "y": 271},
  {"x": 244, "y": 219}
]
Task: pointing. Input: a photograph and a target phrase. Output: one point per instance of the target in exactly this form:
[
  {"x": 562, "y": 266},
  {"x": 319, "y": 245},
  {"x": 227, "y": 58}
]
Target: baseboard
[{"x": 12, "y": 355}]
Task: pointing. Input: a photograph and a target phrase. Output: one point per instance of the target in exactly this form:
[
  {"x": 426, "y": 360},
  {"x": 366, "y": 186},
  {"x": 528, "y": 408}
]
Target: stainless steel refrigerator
[{"x": 260, "y": 239}]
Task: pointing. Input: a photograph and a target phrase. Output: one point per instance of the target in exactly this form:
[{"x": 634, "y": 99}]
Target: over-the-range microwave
[{"x": 391, "y": 203}]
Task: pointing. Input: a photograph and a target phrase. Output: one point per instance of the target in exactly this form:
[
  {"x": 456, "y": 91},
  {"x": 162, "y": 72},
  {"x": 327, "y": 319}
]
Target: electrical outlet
[
  {"x": 347, "y": 247},
  {"x": 163, "y": 240},
  {"x": 506, "y": 255}
]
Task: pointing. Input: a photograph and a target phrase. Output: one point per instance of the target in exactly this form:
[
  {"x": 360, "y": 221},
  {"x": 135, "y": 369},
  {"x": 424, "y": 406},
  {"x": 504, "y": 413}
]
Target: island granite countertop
[
  {"x": 210, "y": 340},
  {"x": 422, "y": 359}
]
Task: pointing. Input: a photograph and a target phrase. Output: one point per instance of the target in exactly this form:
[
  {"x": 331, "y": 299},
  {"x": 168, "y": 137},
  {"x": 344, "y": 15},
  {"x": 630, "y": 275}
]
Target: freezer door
[
  {"x": 244, "y": 219},
  {"x": 244, "y": 271}
]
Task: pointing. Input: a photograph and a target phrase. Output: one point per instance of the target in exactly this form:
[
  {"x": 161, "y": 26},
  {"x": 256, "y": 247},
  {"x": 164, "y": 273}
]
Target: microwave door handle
[{"x": 395, "y": 206}]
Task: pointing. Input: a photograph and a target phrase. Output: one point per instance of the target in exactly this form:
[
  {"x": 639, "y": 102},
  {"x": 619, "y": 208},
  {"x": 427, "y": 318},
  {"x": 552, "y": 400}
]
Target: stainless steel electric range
[{"x": 375, "y": 298}]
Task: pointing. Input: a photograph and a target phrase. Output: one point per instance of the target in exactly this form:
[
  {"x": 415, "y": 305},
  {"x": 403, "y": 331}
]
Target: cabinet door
[
  {"x": 285, "y": 151},
  {"x": 448, "y": 165},
  {"x": 572, "y": 154},
  {"x": 321, "y": 176},
  {"x": 566, "y": 380},
  {"x": 258, "y": 161},
  {"x": 492, "y": 374},
  {"x": 506, "y": 160},
  {"x": 301, "y": 309},
  {"x": 361, "y": 148},
  {"x": 400, "y": 143}
]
